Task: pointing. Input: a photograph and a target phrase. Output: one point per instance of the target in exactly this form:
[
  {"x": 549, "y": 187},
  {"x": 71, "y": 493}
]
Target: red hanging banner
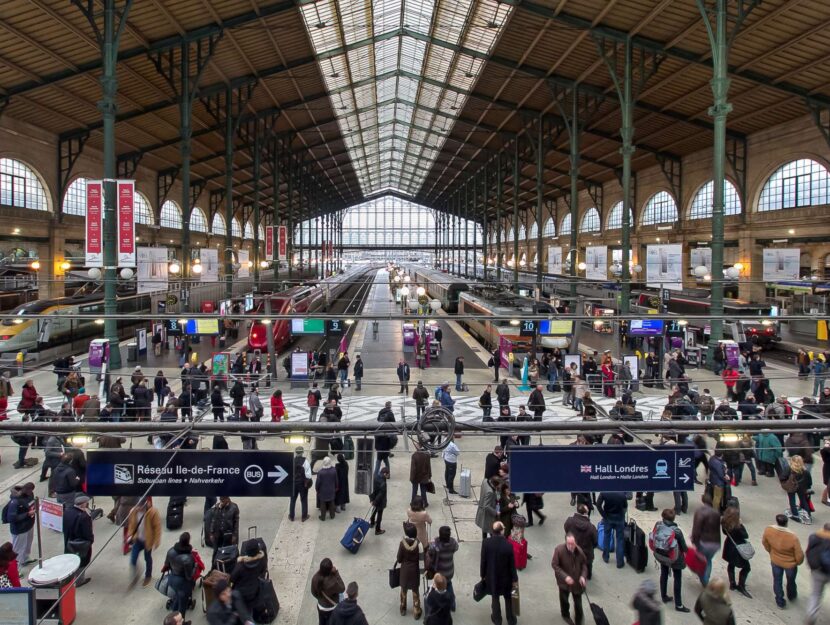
[
  {"x": 282, "y": 247},
  {"x": 269, "y": 242},
  {"x": 94, "y": 223},
  {"x": 126, "y": 223}
]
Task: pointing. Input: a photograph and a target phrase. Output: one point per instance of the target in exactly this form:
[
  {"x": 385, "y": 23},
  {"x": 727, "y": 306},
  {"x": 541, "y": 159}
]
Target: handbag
[
  {"x": 395, "y": 576},
  {"x": 430, "y": 487},
  {"x": 479, "y": 591},
  {"x": 163, "y": 585},
  {"x": 745, "y": 550}
]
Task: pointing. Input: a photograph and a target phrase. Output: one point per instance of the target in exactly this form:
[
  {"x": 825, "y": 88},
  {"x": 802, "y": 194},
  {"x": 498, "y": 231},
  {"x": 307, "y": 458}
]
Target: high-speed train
[
  {"x": 302, "y": 299},
  {"x": 444, "y": 287},
  {"x": 18, "y": 333}
]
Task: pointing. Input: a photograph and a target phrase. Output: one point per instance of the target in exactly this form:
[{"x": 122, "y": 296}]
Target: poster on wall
[
  {"x": 555, "y": 259},
  {"x": 210, "y": 264},
  {"x": 94, "y": 223},
  {"x": 125, "y": 190},
  {"x": 242, "y": 258},
  {"x": 269, "y": 242},
  {"x": 152, "y": 269},
  {"x": 782, "y": 263},
  {"x": 701, "y": 257},
  {"x": 596, "y": 262},
  {"x": 664, "y": 266},
  {"x": 282, "y": 243}
]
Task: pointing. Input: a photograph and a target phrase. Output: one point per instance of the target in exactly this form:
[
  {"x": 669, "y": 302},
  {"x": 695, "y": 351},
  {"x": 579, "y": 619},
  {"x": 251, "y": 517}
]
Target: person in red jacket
[
  {"x": 78, "y": 402},
  {"x": 730, "y": 377},
  {"x": 28, "y": 397},
  {"x": 8, "y": 565},
  {"x": 277, "y": 406}
]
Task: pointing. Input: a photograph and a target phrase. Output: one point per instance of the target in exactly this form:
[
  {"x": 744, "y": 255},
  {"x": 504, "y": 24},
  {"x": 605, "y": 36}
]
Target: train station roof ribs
[{"x": 427, "y": 56}]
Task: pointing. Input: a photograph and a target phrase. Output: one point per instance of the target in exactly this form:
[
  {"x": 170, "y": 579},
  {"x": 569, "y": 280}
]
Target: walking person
[
  {"x": 403, "y": 376},
  {"x": 570, "y": 566},
  {"x": 421, "y": 397},
  {"x": 313, "y": 402},
  {"x": 580, "y": 527},
  {"x": 420, "y": 473},
  {"x": 78, "y": 536},
  {"x": 706, "y": 534},
  {"x": 485, "y": 402},
  {"x": 301, "y": 484},
  {"x": 649, "y": 609},
  {"x": 251, "y": 565},
  {"x": 409, "y": 553},
  {"x": 326, "y": 586},
  {"x": 180, "y": 564},
  {"x": 497, "y": 570},
  {"x": 488, "y": 511},
  {"x": 419, "y": 517},
  {"x": 785, "y": 556},
  {"x": 450, "y": 455},
  {"x": 736, "y": 534},
  {"x": 458, "y": 369},
  {"x": 713, "y": 606},
  {"x": 669, "y": 547},
  {"x": 442, "y": 551},
  {"x": 20, "y": 514},
  {"x": 143, "y": 534},
  {"x": 503, "y": 394},
  {"x": 534, "y": 503},
  {"x": 438, "y": 602},
  {"x": 613, "y": 508},
  {"x": 819, "y": 374},
  {"x": 218, "y": 403},
  {"x": 797, "y": 484},
  {"x": 536, "y": 403},
  {"x": 277, "y": 406},
  {"x": 377, "y": 498},
  {"x": 357, "y": 371},
  {"x": 818, "y": 559},
  {"x": 223, "y": 528},
  {"x": 326, "y": 486}
]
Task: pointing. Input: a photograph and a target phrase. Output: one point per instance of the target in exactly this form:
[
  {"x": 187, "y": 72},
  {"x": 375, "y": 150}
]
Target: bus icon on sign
[{"x": 253, "y": 474}]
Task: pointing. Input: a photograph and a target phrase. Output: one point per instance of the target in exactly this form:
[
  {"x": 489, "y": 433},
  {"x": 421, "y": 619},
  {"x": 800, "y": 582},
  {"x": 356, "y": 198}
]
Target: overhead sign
[
  {"x": 335, "y": 327},
  {"x": 527, "y": 328},
  {"x": 597, "y": 468},
  {"x": 556, "y": 327},
  {"x": 126, "y": 222},
  {"x": 645, "y": 327},
  {"x": 308, "y": 326},
  {"x": 94, "y": 223},
  {"x": 664, "y": 266},
  {"x": 190, "y": 473},
  {"x": 269, "y": 242}
]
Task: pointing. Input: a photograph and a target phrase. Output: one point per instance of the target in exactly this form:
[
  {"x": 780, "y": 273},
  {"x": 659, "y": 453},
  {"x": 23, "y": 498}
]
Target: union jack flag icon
[{"x": 585, "y": 468}]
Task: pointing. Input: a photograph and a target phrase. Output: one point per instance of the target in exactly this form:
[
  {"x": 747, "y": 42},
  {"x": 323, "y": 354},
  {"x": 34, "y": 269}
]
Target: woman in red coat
[
  {"x": 608, "y": 377},
  {"x": 28, "y": 397},
  {"x": 277, "y": 406},
  {"x": 8, "y": 565}
]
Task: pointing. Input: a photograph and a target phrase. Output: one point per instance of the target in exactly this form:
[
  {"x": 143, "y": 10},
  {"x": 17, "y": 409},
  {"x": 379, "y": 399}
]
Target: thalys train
[
  {"x": 17, "y": 333},
  {"x": 300, "y": 300}
]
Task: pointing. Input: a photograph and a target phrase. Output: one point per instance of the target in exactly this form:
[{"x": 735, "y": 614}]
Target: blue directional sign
[
  {"x": 595, "y": 468},
  {"x": 190, "y": 473}
]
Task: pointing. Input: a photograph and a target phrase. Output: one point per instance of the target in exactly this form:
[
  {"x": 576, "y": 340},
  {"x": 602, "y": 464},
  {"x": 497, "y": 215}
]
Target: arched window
[
  {"x": 249, "y": 231},
  {"x": 171, "y": 215},
  {"x": 522, "y": 233},
  {"x": 20, "y": 187},
  {"x": 236, "y": 229},
  {"x": 143, "y": 214},
  {"x": 74, "y": 201},
  {"x": 565, "y": 228},
  {"x": 615, "y": 217},
  {"x": 590, "y": 221},
  {"x": 261, "y": 231},
  {"x": 510, "y": 235},
  {"x": 550, "y": 228},
  {"x": 218, "y": 225},
  {"x": 534, "y": 231},
  {"x": 660, "y": 209},
  {"x": 702, "y": 202},
  {"x": 198, "y": 221},
  {"x": 798, "y": 183}
]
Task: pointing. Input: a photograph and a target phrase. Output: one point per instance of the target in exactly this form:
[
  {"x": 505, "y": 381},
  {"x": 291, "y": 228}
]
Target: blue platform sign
[
  {"x": 190, "y": 473},
  {"x": 645, "y": 327},
  {"x": 596, "y": 468}
]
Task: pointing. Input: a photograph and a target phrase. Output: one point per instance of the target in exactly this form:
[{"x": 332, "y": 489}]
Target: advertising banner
[
  {"x": 701, "y": 257},
  {"x": 243, "y": 258},
  {"x": 94, "y": 223},
  {"x": 282, "y": 243},
  {"x": 299, "y": 364},
  {"x": 269, "y": 242},
  {"x": 782, "y": 263},
  {"x": 51, "y": 514},
  {"x": 210, "y": 264},
  {"x": 555, "y": 259},
  {"x": 596, "y": 262},
  {"x": 126, "y": 223},
  {"x": 664, "y": 266},
  {"x": 152, "y": 269}
]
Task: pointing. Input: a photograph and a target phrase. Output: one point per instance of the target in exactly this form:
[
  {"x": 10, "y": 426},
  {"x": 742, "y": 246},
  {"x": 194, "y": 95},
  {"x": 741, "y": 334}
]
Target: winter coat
[
  {"x": 438, "y": 608},
  {"x": 12, "y": 571},
  {"x": 492, "y": 463},
  {"x": 53, "y": 451},
  {"x": 420, "y": 470},
  {"x": 816, "y": 545},
  {"x": 713, "y": 610},
  {"x": 783, "y": 547},
  {"x": 649, "y": 609},
  {"x": 277, "y": 408},
  {"x": 486, "y": 514},
  {"x": 503, "y": 394},
  {"x": 612, "y": 506},
  {"x": 768, "y": 447},
  {"x": 797, "y": 444},
  {"x": 27, "y": 399},
  {"x": 420, "y": 395},
  {"x": 341, "y": 498},
  {"x": 327, "y": 588},
  {"x": 152, "y": 526},
  {"x": 19, "y": 504},
  {"x": 64, "y": 480},
  {"x": 536, "y": 401},
  {"x": 378, "y": 495},
  {"x": 420, "y": 520},
  {"x": 730, "y": 552},
  {"x": 142, "y": 396},
  {"x": 573, "y": 564},
  {"x": 584, "y": 532},
  {"x": 459, "y": 367},
  {"x": 498, "y": 565},
  {"x": 220, "y": 613},
  {"x": 348, "y": 612},
  {"x": 706, "y": 526},
  {"x": 77, "y": 525},
  {"x": 179, "y": 561},
  {"x": 445, "y": 556},
  {"x": 403, "y": 372},
  {"x": 225, "y": 520},
  {"x": 245, "y": 575},
  {"x": 409, "y": 551},
  {"x": 326, "y": 484},
  {"x": 358, "y": 369},
  {"x": 237, "y": 393}
]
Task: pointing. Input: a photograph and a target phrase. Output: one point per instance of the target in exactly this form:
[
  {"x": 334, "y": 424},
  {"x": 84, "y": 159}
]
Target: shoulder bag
[{"x": 745, "y": 550}]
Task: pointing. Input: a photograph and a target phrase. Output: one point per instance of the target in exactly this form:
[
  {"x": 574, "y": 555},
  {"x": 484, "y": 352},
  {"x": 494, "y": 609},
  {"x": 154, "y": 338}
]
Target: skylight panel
[
  {"x": 322, "y": 25},
  {"x": 412, "y": 54},
  {"x": 386, "y": 15},
  {"x": 360, "y": 64},
  {"x": 356, "y": 19},
  {"x": 386, "y": 55},
  {"x": 418, "y": 15}
]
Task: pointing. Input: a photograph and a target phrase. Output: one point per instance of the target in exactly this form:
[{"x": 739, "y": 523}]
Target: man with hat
[
  {"x": 228, "y": 608},
  {"x": 21, "y": 517},
  {"x": 77, "y": 534},
  {"x": 302, "y": 482}
]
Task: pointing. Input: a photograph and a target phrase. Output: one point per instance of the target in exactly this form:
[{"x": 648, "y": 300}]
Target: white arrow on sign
[
  {"x": 683, "y": 478},
  {"x": 279, "y": 475}
]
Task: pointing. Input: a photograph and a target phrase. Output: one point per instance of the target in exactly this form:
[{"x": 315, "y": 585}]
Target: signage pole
[
  {"x": 269, "y": 332},
  {"x": 39, "y": 541}
]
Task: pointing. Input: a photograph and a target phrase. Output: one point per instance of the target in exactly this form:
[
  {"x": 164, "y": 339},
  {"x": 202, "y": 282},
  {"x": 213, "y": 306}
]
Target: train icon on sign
[
  {"x": 661, "y": 469},
  {"x": 124, "y": 474}
]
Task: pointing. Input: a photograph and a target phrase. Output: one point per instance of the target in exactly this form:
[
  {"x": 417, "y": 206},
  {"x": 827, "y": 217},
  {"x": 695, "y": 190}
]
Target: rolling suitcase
[
  {"x": 602, "y": 530},
  {"x": 175, "y": 513},
  {"x": 636, "y": 547},
  {"x": 363, "y": 483},
  {"x": 266, "y": 606},
  {"x": 600, "y": 618},
  {"x": 465, "y": 486},
  {"x": 355, "y": 534},
  {"x": 258, "y": 541},
  {"x": 226, "y": 558},
  {"x": 208, "y": 583}
]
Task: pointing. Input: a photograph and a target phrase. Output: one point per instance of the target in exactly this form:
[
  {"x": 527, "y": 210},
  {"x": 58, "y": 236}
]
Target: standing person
[
  {"x": 736, "y": 534},
  {"x": 237, "y": 395},
  {"x": 713, "y": 606},
  {"x": 495, "y": 363},
  {"x": 649, "y": 609},
  {"x": 535, "y": 503},
  {"x": 251, "y": 565},
  {"x": 420, "y": 473},
  {"x": 21, "y": 518},
  {"x": 818, "y": 559},
  {"x": 570, "y": 566},
  {"x": 313, "y": 402},
  {"x": 421, "y": 397},
  {"x": 438, "y": 603},
  {"x": 669, "y": 547},
  {"x": 326, "y": 486},
  {"x": 161, "y": 387},
  {"x": 458, "y": 369},
  {"x": 819, "y": 374},
  {"x": 825, "y": 470},
  {"x": 536, "y": 402},
  {"x": 181, "y": 567},
  {"x": 439, "y": 336},
  {"x": 277, "y": 406},
  {"x": 326, "y": 586},
  {"x": 798, "y": 483},
  {"x": 9, "y": 567},
  {"x": 706, "y": 534},
  {"x": 485, "y": 402},
  {"x": 420, "y": 518},
  {"x": 143, "y": 534},
  {"x": 358, "y": 372},
  {"x": 301, "y": 484},
  {"x": 227, "y": 607},
  {"x": 488, "y": 511},
  {"x": 224, "y": 525},
  {"x": 498, "y": 572},
  {"x": 186, "y": 402},
  {"x": 785, "y": 555},
  {"x": 445, "y": 398},
  {"x": 719, "y": 477},
  {"x": 802, "y": 359},
  {"x": 343, "y": 368},
  {"x": 768, "y": 450},
  {"x": 584, "y": 532},
  {"x": 442, "y": 550},
  {"x": 255, "y": 407},
  {"x": 493, "y": 462},
  {"x": 384, "y": 443},
  {"x": 450, "y": 456},
  {"x": 78, "y": 536},
  {"x": 341, "y": 498},
  {"x": 409, "y": 551},
  {"x": 503, "y": 393},
  {"x": 347, "y": 611},
  {"x": 6, "y": 392},
  {"x": 403, "y": 376},
  {"x": 217, "y": 403},
  {"x": 613, "y": 508},
  {"x": 568, "y": 375},
  {"x": 377, "y": 498},
  {"x": 65, "y": 481},
  {"x": 28, "y": 398}
]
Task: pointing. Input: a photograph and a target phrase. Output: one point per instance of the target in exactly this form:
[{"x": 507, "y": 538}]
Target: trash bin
[
  {"x": 132, "y": 352},
  {"x": 53, "y": 583}
]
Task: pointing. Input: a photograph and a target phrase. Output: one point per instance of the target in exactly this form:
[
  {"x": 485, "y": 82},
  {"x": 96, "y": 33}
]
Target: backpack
[
  {"x": 663, "y": 542},
  {"x": 782, "y": 467},
  {"x": 312, "y": 400},
  {"x": 430, "y": 560},
  {"x": 438, "y": 393},
  {"x": 5, "y": 515}
]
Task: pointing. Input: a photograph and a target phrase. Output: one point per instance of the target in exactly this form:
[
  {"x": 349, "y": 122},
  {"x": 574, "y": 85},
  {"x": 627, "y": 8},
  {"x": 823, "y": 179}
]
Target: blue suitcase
[
  {"x": 355, "y": 535},
  {"x": 602, "y": 530}
]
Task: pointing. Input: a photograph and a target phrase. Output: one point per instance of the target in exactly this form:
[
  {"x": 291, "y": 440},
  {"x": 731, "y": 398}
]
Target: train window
[
  {"x": 798, "y": 183},
  {"x": 20, "y": 187},
  {"x": 702, "y": 203},
  {"x": 660, "y": 209}
]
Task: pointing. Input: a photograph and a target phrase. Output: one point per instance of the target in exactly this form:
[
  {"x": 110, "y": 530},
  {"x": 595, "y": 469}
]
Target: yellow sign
[
  {"x": 652, "y": 311},
  {"x": 510, "y": 356},
  {"x": 559, "y": 327}
]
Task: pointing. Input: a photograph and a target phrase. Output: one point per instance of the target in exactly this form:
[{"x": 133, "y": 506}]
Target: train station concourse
[{"x": 339, "y": 312}]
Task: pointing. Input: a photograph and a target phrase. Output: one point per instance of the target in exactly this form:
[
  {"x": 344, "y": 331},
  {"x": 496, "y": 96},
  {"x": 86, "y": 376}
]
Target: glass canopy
[{"x": 398, "y": 73}]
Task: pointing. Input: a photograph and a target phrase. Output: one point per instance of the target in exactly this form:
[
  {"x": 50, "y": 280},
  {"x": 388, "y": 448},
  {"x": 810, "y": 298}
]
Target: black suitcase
[
  {"x": 258, "y": 541},
  {"x": 226, "y": 558},
  {"x": 266, "y": 606},
  {"x": 636, "y": 547},
  {"x": 175, "y": 513}
]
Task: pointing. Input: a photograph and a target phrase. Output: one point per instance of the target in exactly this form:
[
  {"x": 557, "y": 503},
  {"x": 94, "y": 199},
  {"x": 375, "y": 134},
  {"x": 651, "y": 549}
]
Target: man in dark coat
[
  {"x": 492, "y": 462},
  {"x": 613, "y": 507},
  {"x": 459, "y": 373},
  {"x": 326, "y": 488},
  {"x": 378, "y": 500},
  {"x": 536, "y": 403},
  {"x": 384, "y": 442},
  {"x": 403, "y": 376},
  {"x": 77, "y": 526},
  {"x": 420, "y": 472},
  {"x": 498, "y": 572},
  {"x": 503, "y": 393},
  {"x": 585, "y": 533},
  {"x": 570, "y": 566}
]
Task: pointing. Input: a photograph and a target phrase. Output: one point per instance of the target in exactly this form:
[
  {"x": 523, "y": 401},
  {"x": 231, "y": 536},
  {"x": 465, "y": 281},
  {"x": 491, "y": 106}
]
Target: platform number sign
[
  {"x": 527, "y": 328},
  {"x": 335, "y": 327}
]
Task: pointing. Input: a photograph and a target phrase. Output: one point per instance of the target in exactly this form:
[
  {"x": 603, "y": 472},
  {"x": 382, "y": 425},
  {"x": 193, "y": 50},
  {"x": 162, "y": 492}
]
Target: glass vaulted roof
[{"x": 398, "y": 73}]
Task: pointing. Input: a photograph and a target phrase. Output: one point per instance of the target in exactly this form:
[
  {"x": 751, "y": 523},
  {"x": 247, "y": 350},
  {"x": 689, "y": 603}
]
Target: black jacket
[
  {"x": 216, "y": 400},
  {"x": 64, "y": 479},
  {"x": 347, "y": 612},
  {"x": 503, "y": 394},
  {"x": 459, "y": 367},
  {"x": 77, "y": 525},
  {"x": 612, "y": 506},
  {"x": 237, "y": 393},
  {"x": 491, "y": 465},
  {"x": 403, "y": 372},
  {"x": 245, "y": 576},
  {"x": 438, "y": 608},
  {"x": 225, "y": 521},
  {"x": 536, "y": 401},
  {"x": 378, "y": 495},
  {"x": 498, "y": 565},
  {"x": 220, "y": 614},
  {"x": 179, "y": 561},
  {"x": 358, "y": 368},
  {"x": 19, "y": 520}
]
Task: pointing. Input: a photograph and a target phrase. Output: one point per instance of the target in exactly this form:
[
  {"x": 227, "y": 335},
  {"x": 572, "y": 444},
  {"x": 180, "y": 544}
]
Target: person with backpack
[
  {"x": 668, "y": 545},
  {"x": 785, "y": 556},
  {"x": 182, "y": 568},
  {"x": 313, "y": 402},
  {"x": 818, "y": 559},
  {"x": 706, "y": 405}
]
